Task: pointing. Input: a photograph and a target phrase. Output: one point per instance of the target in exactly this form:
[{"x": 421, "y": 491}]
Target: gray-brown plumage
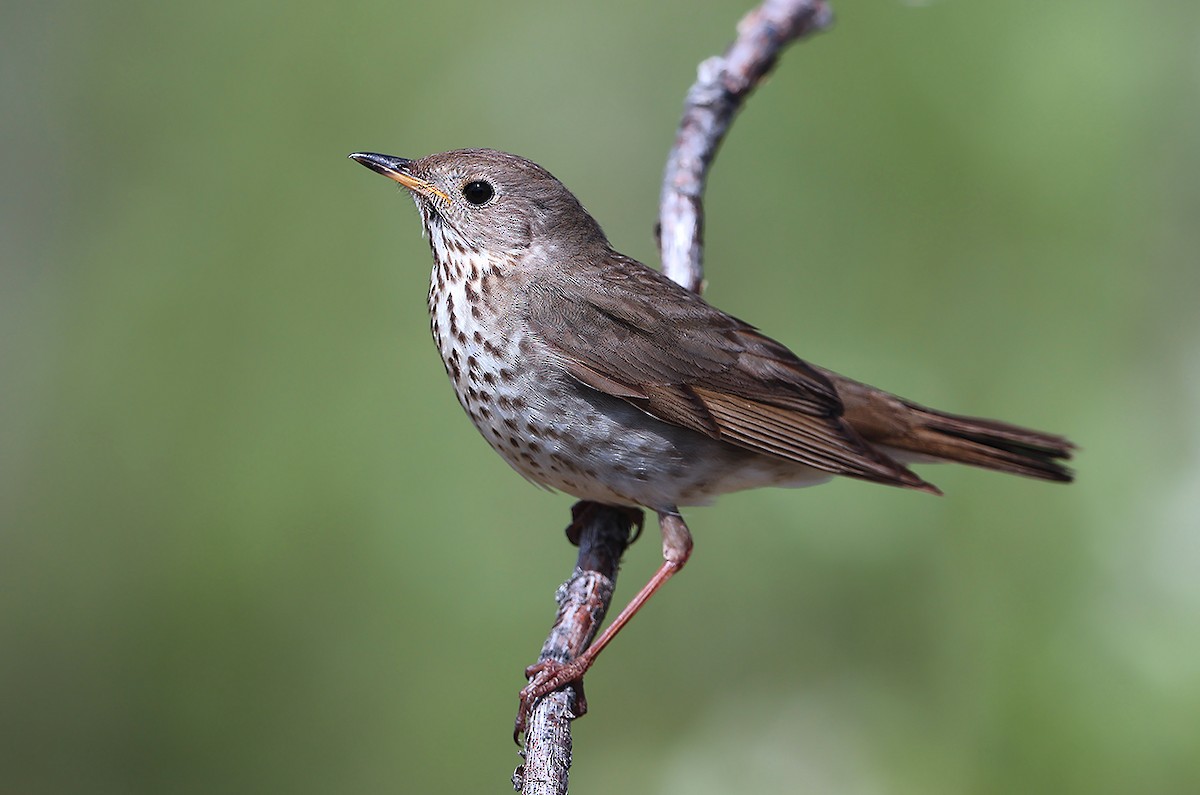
[{"x": 595, "y": 375}]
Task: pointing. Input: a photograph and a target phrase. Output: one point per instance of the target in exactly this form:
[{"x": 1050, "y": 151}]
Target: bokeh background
[{"x": 250, "y": 544}]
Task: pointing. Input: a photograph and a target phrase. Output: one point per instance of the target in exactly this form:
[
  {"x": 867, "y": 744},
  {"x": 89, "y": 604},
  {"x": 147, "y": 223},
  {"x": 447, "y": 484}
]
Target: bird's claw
[
  {"x": 581, "y": 514},
  {"x": 546, "y": 677}
]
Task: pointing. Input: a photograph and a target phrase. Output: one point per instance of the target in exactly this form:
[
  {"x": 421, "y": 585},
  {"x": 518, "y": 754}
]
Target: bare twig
[
  {"x": 723, "y": 83},
  {"x": 602, "y": 533}
]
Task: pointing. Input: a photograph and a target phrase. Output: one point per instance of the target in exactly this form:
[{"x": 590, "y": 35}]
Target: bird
[{"x": 593, "y": 374}]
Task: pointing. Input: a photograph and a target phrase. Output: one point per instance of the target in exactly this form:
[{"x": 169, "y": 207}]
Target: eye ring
[{"x": 478, "y": 192}]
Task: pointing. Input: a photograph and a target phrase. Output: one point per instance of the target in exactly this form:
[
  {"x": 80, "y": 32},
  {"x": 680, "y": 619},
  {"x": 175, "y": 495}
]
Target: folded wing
[{"x": 638, "y": 336}]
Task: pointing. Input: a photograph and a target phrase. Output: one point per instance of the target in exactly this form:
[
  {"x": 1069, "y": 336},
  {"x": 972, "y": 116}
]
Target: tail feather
[
  {"x": 912, "y": 432},
  {"x": 987, "y": 443}
]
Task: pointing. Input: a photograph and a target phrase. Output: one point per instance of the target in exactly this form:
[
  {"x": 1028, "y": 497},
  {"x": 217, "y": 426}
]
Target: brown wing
[{"x": 630, "y": 332}]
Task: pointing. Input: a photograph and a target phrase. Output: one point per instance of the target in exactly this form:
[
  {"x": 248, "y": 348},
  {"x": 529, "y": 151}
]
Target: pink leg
[{"x": 550, "y": 675}]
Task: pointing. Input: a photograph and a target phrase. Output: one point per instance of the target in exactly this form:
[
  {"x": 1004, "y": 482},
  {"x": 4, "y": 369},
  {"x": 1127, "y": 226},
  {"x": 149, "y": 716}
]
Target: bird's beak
[{"x": 397, "y": 168}]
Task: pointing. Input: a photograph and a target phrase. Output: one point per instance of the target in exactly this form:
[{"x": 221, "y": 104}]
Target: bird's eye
[{"x": 478, "y": 192}]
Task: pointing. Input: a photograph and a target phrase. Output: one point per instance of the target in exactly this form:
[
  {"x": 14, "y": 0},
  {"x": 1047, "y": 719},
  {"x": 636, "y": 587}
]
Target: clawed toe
[
  {"x": 546, "y": 677},
  {"x": 581, "y": 515}
]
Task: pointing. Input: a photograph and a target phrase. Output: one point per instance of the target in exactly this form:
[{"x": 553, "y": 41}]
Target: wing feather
[{"x": 630, "y": 332}]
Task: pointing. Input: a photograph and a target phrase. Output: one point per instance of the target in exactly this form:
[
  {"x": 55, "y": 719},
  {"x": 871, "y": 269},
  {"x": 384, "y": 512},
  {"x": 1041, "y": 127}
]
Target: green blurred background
[{"x": 250, "y": 544}]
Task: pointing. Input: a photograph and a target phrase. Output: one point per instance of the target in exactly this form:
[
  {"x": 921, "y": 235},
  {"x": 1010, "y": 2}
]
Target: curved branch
[
  {"x": 722, "y": 85},
  {"x": 602, "y": 533}
]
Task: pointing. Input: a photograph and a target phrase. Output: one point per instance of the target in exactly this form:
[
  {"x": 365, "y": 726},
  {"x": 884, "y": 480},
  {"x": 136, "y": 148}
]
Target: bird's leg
[{"x": 550, "y": 675}]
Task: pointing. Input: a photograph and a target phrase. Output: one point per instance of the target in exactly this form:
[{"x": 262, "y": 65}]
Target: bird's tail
[
  {"x": 913, "y": 433},
  {"x": 986, "y": 443}
]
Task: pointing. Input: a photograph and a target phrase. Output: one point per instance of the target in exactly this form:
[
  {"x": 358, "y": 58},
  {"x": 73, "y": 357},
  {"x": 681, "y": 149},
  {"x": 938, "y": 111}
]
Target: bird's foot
[
  {"x": 546, "y": 677},
  {"x": 581, "y": 514}
]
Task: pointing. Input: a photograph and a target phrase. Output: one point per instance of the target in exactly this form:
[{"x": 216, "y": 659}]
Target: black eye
[{"x": 478, "y": 192}]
